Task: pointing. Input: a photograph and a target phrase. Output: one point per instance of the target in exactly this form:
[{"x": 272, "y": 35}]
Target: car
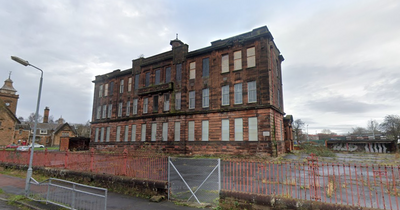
[
  {"x": 11, "y": 146},
  {"x": 23, "y": 148},
  {"x": 37, "y": 146}
]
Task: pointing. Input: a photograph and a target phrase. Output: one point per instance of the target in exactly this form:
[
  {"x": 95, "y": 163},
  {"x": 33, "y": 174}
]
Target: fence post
[
  {"x": 45, "y": 157},
  {"x": 125, "y": 155},
  {"x": 91, "y": 159},
  {"x": 66, "y": 159},
  {"x": 313, "y": 168}
]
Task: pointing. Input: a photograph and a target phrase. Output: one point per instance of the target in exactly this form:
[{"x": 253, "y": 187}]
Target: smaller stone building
[{"x": 8, "y": 121}]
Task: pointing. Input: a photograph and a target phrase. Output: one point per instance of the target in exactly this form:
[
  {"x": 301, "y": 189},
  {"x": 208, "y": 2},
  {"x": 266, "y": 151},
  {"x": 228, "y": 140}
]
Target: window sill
[
  {"x": 237, "y": 70},
  {"x": 250, "y": 68}
]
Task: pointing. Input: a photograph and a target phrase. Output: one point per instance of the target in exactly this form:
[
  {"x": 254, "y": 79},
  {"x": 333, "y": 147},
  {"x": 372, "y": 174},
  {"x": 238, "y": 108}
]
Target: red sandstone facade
[{"x": 225, "y": 98}]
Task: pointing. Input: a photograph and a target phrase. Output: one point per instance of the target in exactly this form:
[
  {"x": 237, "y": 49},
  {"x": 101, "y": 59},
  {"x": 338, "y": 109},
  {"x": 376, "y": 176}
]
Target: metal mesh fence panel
[{"x": 194, "y": 180}]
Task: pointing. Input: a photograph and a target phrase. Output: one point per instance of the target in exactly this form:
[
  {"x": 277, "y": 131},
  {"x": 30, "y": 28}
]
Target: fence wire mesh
[{"x": 194, "y": 180}]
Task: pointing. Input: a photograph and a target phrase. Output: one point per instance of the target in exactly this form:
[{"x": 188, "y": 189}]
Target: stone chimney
[{"x": 46, "y": 115}]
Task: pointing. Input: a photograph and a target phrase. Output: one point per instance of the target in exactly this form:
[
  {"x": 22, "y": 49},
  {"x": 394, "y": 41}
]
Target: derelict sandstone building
[{"x": 224, "y": 98}]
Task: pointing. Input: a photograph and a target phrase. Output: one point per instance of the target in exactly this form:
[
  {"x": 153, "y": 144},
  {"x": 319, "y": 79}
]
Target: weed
[
  {"x": 318, "y": 150},
  {"x": 16, "y": 198}
]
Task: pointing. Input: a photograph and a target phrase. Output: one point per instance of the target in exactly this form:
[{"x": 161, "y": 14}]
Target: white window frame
[
  {"x": 145, "y": 105},
  {"x": 239, "y": 129},
  {"x": 205, "y": 130},
  {"x": 153, "y": 131},
  {"x": 135, "y": 106},
  {"x": 253, "y": 129},
  {"x": 225, "y": 95},
  {"x": 177, "y": 136},
  {"x": 133, "y": 133},
  {"x": 238, "y": 93},
  {"x": 225, "y": 63},
  {"x": 178, "y": 101},
  {"x": 252, "y": 92},
  {"x": 192, "y": 72},
  {"x": 192, "y": 99},
  {"x": 206, "y": 98},
  {"x": 191, "y": 131},
  {"x": 143, "y": 133},
  {"x": 118, "y": 135},
  {"x": 225, "y": 130},
  {"x": 251, "y": 57},
  {"x": 237, "y": 60},
  {"x": 165, "y": 131}
]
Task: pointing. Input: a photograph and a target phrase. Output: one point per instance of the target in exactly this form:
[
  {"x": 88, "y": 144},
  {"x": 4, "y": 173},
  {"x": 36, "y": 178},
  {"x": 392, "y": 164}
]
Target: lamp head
[{"x": 20, "y": 60}]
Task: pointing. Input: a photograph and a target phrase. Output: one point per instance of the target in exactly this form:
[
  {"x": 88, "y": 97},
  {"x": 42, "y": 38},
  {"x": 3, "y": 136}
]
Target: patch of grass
[
  {"x": 317, "y": 150},
  {"x": 1, "y": 191},
  {"x": 16, "y": 198}
]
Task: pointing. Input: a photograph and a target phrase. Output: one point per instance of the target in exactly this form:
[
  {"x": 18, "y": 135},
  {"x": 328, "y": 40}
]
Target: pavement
[{"x": 15, "y": 186}]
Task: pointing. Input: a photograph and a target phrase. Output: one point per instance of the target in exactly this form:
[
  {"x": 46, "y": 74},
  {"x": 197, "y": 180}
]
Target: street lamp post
[{"x": 29, "y": 172}]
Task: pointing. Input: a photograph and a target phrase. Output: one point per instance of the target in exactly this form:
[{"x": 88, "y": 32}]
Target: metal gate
[{"x": 196, "y": 180}]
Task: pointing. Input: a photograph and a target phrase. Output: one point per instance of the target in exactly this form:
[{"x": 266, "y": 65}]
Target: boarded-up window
[
  {"x": 108, "y": 134},
  {"x": 191, "y": 100},
  {"x": 192, "y": 66},
  {"x": 147, "y": 81},
  {"x": 118, "y": 133},
  {"x": 153, "y": 131},
  {"x": 133, "y": 133},
  {"x": 225, "y": 63},
  {"x": 96, "y": 135},
  {"x": 109, "y": 110},
  {"x": 166, "y": 102},
  {"x": 145, "y": 104},
  {"x": 165, "y": 131},
  {"x": 191, "y": 131},
  {"x": 225, "y": 130},
  {"x": 120, "y": 109},
  {"x": 178, "y": 101},
  {"x": 102, "y": 135},
  {"x": 204, "y": 130},
  {"x": 98, "y": 115},
  {"x": 238, "y": 93},
  {"x": 253, "y": 131},
  {"x": 237, "y": 60},
  {"x": 252, "y": 92},
  {"x": 238, "y": 129},
  {"x": 178, "y": 72},
  {"x": 137, "y": 76},
  {"x": 158, "y": 77},
  {"x": 126, "y": 132},
  {"x": 106, "y": 90},
  {"x": 143, "y": 134},
  {"x": 251, "y": 57},
  {"x": 104, "y": 111},
  {"x": 168, "y": 74},
  {"x": 206, "y": 67},
  {"x": 128, "y": 108},
  {"x": 205, "y": 98},
  {"x": 135, "y": 105},
  {"x": 130, "y": 84},
  {"x": 121, "y": 86},
  {"x": 177, "y": 131},
  {"x": 101, "y": 91},
  {"x": 225, "y": 95}
]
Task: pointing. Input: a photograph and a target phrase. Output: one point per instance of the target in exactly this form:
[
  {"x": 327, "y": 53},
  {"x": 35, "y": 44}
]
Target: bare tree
[
  {"x": 83, "y": 130},
  {"x": 359, "y": 131},
  {"x": 298, "y": 126},
  {"x": 31, "y": 118},
  {"x": 391, "y": 126},
  {"x": 372, "y": 126}
]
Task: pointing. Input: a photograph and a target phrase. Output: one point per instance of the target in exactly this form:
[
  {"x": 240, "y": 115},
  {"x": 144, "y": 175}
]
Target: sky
[{"x": 342, "y": 57}]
